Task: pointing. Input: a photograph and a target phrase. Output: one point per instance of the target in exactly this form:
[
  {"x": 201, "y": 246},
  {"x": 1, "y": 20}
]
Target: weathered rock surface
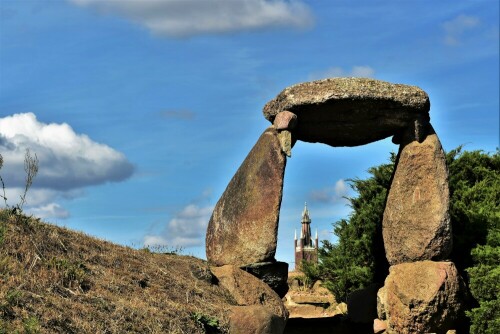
[
  {"x": 274, "y": 274},
  {"x": 316, "y": 302},
  {"x": 379, "y": 326},
  {"x": 286, "y": 142},
  {"x": 254, "y": 319},
  {"x": 310, "y": 311},
  {"x": 342, "y": 308},
  {"x": 247, "y": 289},
  {"x": 416, "y": 224},
  {"x": 349, "y": 111},
  {"x": 285, "y": 120},
  {"x": 420, "y": 297},
  {"x": 244, "y": 224}
]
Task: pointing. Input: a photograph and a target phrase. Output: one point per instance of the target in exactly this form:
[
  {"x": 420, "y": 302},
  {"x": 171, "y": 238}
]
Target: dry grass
[{"x": 53, "y": 280}]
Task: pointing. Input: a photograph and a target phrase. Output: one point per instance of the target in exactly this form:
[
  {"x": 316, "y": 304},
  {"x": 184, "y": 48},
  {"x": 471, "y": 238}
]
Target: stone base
[
  {"x": 274, "y": 274},
  {"x": 247, "y": 289},
  {"x": 255, "y": 319},
  {"x": 421, "y": 297}
]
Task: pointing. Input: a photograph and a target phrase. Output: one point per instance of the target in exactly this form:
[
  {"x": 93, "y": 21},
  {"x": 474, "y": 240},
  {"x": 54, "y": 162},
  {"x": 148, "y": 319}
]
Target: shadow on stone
[{"x": 274, "y": 274}]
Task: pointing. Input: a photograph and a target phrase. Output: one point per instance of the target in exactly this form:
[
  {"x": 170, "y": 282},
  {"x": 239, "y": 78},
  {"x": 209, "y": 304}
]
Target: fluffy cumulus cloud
[
  {"x": 456, "y": 28},
  {"x": 184, "y": 18},
  {"x": 68, "y": 162},
  {"x": 186, "y": 229},
  {"x": 333, "y": 194},
  {"x": 335, "y": 72}
]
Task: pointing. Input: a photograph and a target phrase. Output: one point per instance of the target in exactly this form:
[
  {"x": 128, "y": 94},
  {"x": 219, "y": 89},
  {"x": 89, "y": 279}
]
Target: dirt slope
[{"x": 53, "y": 280}]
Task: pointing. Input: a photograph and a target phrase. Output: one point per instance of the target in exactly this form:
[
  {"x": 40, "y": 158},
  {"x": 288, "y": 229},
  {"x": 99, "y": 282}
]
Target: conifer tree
[{"x": 358, "y": 259}]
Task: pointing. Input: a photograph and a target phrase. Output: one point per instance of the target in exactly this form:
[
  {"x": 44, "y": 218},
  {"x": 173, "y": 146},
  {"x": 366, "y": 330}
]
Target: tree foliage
[
  {"x": 484, "y": 278},
  {"x": 474, "y": 182},
  {"x": 475, "y": 213},
  {"x": 358, "y": 258}
]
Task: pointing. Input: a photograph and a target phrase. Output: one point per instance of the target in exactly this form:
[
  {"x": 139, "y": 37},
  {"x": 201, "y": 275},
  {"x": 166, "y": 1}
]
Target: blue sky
[{"x": 140, "y": 112}]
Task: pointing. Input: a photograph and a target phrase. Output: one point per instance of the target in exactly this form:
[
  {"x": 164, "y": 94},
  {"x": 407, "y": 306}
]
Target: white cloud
[
  {"x": 154, "y": 240},
  {"x": 186, "y": 229},
  {"x": 362, "y": 71},
  {"x": 335, "y": 72},
  {"x": 184, "y": 18},
  {"x": 35, "y": 197},
  {"x": 67, "y": 162},
  {"x": 332, "y": 194},
  {"x": 457, "y": 27},
  {"x": 51, "y": 210},
  {"x": 341, "y": 188}
]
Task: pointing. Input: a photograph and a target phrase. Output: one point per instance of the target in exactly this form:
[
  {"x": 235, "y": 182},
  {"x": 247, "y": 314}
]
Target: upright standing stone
[
  {"x": 416, "y": 224},
  {"x": 244, "y": 224}
]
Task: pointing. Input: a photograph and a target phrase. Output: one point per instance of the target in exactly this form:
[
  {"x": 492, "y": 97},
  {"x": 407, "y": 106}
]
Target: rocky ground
[
  {"x": 314, "y": 310},
  {"x": 310, "y": 303}
]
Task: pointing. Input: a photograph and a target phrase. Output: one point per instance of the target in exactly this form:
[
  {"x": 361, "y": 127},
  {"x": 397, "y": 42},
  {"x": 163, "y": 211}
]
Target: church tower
[{"x": 306, "y": 249}]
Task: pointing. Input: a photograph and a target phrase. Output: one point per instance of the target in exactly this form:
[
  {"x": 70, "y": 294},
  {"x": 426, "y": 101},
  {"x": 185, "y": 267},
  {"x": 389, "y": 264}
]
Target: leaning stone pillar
[
  {"x": 416, "y": 224},
  {"x": 244, "y": 224}
]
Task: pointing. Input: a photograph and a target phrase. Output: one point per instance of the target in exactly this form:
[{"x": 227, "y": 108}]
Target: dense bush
[
  {"x": 358, "y": 258},
  {"x": 475, "y": 214},
  {"x": 485, "y": 284}
]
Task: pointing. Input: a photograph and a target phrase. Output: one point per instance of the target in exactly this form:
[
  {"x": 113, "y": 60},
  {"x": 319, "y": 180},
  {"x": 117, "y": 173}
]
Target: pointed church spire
[
  {"x": 306, "y": 248},
  {"x": 305, "y": 214}
]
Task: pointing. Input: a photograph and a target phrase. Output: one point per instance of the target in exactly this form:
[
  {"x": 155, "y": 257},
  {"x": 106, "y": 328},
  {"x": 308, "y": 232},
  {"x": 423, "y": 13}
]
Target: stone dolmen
[{"x": 421, "y": 293}]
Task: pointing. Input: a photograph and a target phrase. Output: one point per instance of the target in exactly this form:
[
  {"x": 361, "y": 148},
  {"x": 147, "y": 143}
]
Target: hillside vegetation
[{"x": 53, "y": 280}]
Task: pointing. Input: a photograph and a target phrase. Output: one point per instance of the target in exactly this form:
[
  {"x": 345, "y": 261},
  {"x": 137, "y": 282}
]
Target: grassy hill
[{"x": 53, "y": 280}]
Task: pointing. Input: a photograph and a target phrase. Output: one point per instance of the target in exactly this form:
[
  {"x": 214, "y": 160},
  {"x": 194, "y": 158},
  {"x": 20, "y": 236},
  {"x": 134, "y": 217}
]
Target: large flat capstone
[
  {"x": 349, "y": 111},
  {"x": 244, "y": 224},
  {"x": 416, "y": 224}
]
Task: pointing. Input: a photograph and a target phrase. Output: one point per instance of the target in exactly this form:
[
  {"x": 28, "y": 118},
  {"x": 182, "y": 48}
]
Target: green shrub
[
  {"x": 12, "y": 298},
  {"x": 358, "y": 258},
  {"x": 486, "y": 318},
  {"x": 73, "y": 274},
  {"x": 210, "y": 324}
]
